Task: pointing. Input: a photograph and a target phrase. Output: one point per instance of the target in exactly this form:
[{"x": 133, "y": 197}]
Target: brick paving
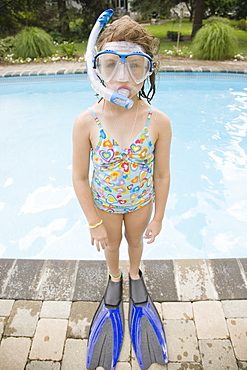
[
  {"x": 166, "y": 65},
  {"x": 46, "y": 307},
  {"x": 44, "y": 324}
]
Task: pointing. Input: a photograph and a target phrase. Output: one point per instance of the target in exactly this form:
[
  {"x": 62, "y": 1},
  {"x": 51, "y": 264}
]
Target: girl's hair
[{"x": 126, "y": 29}]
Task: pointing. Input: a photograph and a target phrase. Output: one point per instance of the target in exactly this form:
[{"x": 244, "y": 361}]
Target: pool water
[{"x": 207, "y": 207}]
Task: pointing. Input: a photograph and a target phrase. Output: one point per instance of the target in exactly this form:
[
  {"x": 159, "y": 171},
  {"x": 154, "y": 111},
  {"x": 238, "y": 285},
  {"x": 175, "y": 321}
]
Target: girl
[{"x": 130, "y": 152}]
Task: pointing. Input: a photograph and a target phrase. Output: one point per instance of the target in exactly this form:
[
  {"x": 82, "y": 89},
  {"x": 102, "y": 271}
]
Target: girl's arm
[
  {"x": 80, "y": 176},
  {"x": 162, "y": 128}
]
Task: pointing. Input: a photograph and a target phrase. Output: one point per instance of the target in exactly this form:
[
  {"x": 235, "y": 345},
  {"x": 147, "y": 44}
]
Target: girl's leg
[
  {"x": 135, "y": 224},
  {"x": 113, "y": 225}
]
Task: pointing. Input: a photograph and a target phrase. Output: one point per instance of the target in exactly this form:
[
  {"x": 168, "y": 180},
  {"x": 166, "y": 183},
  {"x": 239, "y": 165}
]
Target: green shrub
[
  {"x": 215, "y": 41},
  {"x": 56, "y": 36},
  {"x": 6, "y": 46},
  {"x": 217, "y": 19},
  {"x": 33, "y": 42},
  {"x": 68, "y": 49},
  {"x": 173, "y": 35},
  {"x": 241, "y": 24},
  {"x": 77, "y": 28}
]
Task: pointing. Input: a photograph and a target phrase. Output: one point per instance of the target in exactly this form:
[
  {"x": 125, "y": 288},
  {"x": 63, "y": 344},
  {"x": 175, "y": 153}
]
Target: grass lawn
[
  {"x": 167, "y": 47},
  {"x": 160, "y": 31},
  {"x": 80, "y": 48}
]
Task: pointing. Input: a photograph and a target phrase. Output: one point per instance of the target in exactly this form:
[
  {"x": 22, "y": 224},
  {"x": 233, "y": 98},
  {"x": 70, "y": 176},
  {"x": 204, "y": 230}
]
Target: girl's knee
[
  {"x": 134, "y": 242},
  {"x": 114, "y": 242},
  {"x": 113, "y": 247}
]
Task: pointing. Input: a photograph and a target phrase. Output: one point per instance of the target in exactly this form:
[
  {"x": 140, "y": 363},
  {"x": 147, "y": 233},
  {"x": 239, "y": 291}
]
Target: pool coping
[
  {"x": 166, "y": 65},
  {"x": 84, "y": 280}
]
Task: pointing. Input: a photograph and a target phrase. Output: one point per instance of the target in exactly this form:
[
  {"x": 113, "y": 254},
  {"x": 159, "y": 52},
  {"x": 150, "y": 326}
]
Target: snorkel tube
[{"x": 106, "y": 93}]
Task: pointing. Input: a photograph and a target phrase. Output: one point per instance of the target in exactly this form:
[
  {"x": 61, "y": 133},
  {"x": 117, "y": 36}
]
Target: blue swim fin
[
  {"x": 146, "y": 329},
  {"x": 107, "y": 329}
]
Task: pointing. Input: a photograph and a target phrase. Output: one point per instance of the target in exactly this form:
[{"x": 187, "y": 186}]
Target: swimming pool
[{"x": 207, "y": 207}]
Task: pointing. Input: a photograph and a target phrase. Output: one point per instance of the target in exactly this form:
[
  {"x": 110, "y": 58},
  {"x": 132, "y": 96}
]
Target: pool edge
[
  {"x": 83, "y": 280},
  {"x": 166, "y": 65}
]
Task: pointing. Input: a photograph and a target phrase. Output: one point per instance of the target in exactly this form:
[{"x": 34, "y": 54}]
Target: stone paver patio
[
  {"x": 46, "y": 308},
  {"x": 166, "y": 65}
]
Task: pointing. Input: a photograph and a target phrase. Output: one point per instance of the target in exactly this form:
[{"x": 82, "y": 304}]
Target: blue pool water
[{"x": 207, "y": 207}]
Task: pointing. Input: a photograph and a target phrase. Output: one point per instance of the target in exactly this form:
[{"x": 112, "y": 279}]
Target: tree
[
  {"x": 91, "y": 9},
  {"x": 145, "y": 7},
  {"x": 50, "y": 15},
  {"x": 199, "y": 10},
  {"x": 241, "y": 9},
  {"x": 9, "y": 16},
  {"x": 190, "y": 4},
  {"x": 15, "y": 14},
  {"x": 220, "y": 8},
  {"x": 63, "y": 17}
]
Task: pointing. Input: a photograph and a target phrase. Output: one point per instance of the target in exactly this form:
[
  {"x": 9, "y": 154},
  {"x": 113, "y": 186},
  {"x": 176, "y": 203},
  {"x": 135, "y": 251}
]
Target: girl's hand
[
  {"x": 99, "y": 237},
  {"x": 152, "y": 231}
]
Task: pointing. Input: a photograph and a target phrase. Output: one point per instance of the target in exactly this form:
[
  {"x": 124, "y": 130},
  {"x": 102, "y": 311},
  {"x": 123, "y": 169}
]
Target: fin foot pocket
[
  {"x": 146, "y": 328},
  {"x": 107, "y": 329}
]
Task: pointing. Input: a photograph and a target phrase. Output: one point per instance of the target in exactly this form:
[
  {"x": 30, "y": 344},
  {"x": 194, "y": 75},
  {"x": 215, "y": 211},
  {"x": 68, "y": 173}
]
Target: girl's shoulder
[
  {"x": 83, "y": 119},
  {"x": 160, "y": 126},
  {"x": 85, "y": 129},
  {"x": 160, "y": 123},
  {"x": 87, "y": 117},
  {"x": 160, "y": 117},
  {"x": 85, "y": 122}
]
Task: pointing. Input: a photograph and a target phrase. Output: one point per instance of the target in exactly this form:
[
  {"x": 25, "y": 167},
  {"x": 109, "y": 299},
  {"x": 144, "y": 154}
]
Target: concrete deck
[
  {"x": 46, "y": 307},
  {"x": 166, "y": 65}
]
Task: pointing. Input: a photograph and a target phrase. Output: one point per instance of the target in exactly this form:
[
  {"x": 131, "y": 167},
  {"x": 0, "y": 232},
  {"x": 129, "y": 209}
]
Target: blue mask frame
[{"x": 123, "y": 58}]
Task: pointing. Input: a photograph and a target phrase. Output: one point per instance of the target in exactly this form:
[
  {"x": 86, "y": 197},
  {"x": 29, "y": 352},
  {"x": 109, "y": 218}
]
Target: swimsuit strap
[
  {"x": 95, "y": 118},
  {"x": 99, "y": 124},
  {"x": 149, "y": 116}
]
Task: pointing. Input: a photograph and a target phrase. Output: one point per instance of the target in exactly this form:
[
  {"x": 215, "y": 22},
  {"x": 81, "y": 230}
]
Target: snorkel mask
[
  {"x": 121, "y": 65},
  {"x": 128, "y": 63}
]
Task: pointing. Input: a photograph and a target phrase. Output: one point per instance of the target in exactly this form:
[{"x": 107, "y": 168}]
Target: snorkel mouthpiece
[
  {"x": 117, "y": 98},
  {"x": 106, "y": 93}
]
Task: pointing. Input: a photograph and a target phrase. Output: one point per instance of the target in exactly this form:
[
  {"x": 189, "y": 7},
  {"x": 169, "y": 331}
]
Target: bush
[
  {"x": 173, "y": 36},
  {"x": 33, "y": 42},
  {"x": 76, "y": 28},
  {"x": 241, "y": 24},
  {"x": 68, "y": 49},
  {"x": 217, "y": 19},
  {"x": 6, "y": 46},
  {"x": 56, "y": 36},
  {"x": 215, "y": 41}
]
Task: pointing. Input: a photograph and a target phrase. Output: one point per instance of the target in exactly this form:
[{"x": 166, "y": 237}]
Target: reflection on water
[
  {"x": 47, "y": 197},
  {"x": 207, "y": 206},
  {"x": 208, "y": 171}
]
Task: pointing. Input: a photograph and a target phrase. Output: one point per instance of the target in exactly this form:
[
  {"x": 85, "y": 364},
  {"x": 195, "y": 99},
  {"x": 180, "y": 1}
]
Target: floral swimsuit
[{"x": 122, "y": 180}]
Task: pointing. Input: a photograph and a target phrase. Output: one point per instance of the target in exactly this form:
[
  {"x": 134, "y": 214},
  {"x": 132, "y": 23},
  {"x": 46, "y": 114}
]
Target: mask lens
[
  {"x": 138, "y": 67},
  {"x": 122, "y": 67},
  {"x": 106, "y": 66}
]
